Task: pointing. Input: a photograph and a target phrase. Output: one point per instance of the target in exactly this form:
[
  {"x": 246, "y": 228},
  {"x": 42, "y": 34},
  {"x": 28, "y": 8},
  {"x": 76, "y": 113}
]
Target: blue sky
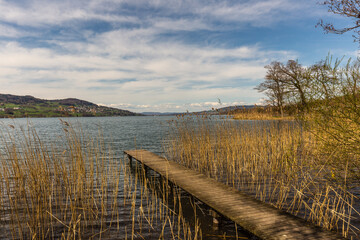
[{"x": 158, "y": 55}]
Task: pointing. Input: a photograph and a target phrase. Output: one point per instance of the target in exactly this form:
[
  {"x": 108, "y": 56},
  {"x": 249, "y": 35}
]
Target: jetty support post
[
  {"x": 145, "y": 168},
  {"x": 130, "y": 159},
  {"x": 216, "y": 219}
]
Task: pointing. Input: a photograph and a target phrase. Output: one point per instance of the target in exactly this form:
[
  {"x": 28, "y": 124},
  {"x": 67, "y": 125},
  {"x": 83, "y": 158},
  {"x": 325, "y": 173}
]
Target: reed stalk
[
  {"x": 275, "y": 161},
  {"x": 77, "y": 189}
]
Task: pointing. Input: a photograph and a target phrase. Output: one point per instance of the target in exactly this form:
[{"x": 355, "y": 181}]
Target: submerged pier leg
[
  {"x": 216, "y": 218},
  {"x": 130, "y": 160},
  {"x": 146, "y": 168}
]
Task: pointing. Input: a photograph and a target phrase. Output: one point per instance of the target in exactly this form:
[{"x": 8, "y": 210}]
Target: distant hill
[
  {"x": 29, "y": 106},
  {"x": 73, "y": 102},
  {"x": 217, "y": 111},
  {"x": 225, "y": 110},
  {"x": 160, "y": 113}
]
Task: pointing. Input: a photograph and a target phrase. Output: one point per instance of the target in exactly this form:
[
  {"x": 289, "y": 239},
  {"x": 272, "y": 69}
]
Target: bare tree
[
  {"x": 287, "y": 83},
  {"x": 296, "y": 78},
  {"x": 325, "y": 80},
  {"x": 346, "y": 8},
  {"x": 273, "y": 86},
  {"x": 335, "y": 115}
]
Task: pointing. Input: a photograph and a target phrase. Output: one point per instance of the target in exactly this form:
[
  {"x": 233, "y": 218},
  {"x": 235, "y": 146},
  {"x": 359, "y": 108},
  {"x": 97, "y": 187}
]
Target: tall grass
[
  {"x": 276, "y": 162},
  {"x": 159, "y": 213},
  {"x": 78, "y": 189},
  {"x": 259, "y": 113},
  {"x": 47, "y": 191}
]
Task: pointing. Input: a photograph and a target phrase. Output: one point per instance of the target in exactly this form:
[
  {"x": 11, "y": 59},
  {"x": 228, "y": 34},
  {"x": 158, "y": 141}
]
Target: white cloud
[
  {"x": 37, "y": 13},
  {"x": 166, "y": 24},
  {"x": 259, "y": 13},
  {"x": 137, "y": 67},
  {"x": 7, "y": 31},
  {"x": 154, "y": 73}
]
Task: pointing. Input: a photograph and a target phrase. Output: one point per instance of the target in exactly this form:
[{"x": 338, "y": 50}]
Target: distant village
[
  {"x": 81, "y": 109},
  {"x": 3, "y": 109},
  {"x": 67, "y": 109}
]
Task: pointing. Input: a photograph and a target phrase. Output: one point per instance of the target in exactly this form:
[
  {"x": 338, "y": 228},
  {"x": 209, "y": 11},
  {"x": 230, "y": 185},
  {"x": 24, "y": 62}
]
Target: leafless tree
[
  {"x": 297, "y": 80},
  {"x": 273, "y": 86},
  {"x": 325, "y": 79},
  {"x": 335, "y": 113},
  {"x": 287, "y": 84},
  {"x": 346, "y": 8}
]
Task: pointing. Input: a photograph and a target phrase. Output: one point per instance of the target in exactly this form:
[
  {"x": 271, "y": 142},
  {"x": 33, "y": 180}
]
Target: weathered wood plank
[{"x": 260, "y": 218}]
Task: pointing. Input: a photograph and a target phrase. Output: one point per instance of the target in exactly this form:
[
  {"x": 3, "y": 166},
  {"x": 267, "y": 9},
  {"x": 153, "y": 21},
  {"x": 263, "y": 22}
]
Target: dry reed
[
  {"x": 79, "y": 190},
  {"x": 259, "y": 113},
  {"x": 275, "y": 161}
]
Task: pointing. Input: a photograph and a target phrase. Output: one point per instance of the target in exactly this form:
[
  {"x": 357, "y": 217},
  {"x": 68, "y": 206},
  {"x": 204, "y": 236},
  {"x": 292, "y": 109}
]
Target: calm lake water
[
  {"x": 125, "y": 133},
  {"x": 122, "y": 133}
]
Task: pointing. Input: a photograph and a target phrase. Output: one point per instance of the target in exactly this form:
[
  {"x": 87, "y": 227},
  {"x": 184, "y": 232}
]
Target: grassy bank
[
  {"x": 277, "y": 162},
  {"x": 260, "y": 116},
  {"x": 261, "y": 113}
]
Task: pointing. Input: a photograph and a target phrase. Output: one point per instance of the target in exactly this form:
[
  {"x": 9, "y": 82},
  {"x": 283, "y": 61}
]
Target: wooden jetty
[{"x": 261, "y": 219}]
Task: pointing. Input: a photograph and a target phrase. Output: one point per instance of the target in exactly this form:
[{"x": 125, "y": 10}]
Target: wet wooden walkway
[{"x": 256, "y": 217}]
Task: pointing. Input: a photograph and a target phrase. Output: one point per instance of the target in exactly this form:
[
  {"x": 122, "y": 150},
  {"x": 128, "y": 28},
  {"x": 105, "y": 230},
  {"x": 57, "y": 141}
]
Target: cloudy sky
[{"x": 157, "y": 55}]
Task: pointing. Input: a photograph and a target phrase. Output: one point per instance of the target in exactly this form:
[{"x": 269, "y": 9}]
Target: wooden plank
[{"x": 257, "y": 217}]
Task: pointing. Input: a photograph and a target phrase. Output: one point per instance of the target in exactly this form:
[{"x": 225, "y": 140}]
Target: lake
[
  {"x": 125, "y": 133},
  {"x": 122, "y": 133}
]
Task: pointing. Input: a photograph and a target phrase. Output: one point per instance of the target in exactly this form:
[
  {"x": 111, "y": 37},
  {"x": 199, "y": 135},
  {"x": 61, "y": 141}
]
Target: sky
[{"x": 158, "y": 55}]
